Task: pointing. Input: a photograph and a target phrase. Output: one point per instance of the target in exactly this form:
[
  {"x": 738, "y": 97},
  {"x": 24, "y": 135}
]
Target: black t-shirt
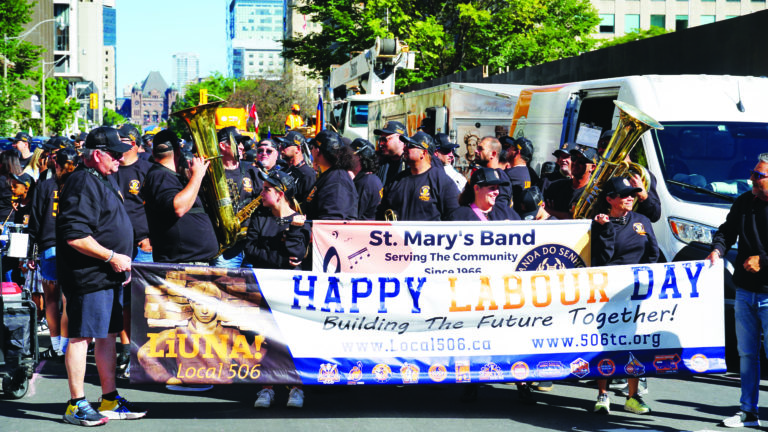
[
  {"x": 429, "y": 196},
  {"x": 240, "y": 182},
  {"x": 389, "y": 169},
  {"x": 550, "y": 178},
  {"x": 176, "y": 240},
  {"x": 271, "y": 241},
  {"x": 6, "y": 197},
  {"x": 369, "y": 190},
  {"x": 90, "y": 205},
  {"x": 560, "y": 195},
  {"x": 503, "y": 210},
  {"x": 130, "y": 178},
  {"x": 42, "y": 215},
  {"x": 305, "y": 179},
  {"x": 333, "y": 198}
]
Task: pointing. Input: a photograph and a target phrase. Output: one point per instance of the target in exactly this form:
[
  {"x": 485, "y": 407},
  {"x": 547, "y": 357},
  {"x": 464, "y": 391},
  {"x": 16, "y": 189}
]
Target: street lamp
[{"x": 43, "y": 63}]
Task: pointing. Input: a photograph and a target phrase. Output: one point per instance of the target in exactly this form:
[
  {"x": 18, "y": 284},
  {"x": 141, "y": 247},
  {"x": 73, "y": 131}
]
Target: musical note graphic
[{"x": 357, "y": 257}]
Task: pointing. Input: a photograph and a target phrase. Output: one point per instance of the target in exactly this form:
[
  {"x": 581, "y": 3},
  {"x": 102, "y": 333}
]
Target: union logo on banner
[
  {"x": 520, "y": 370},
  {"x": 491, "y": 372},
  {"x": 550, "y": 257},
  {"x": 634, "y": 367},
  {"x": 606, "y": 367},
  {"x": 580, "y": 367},
  {"x": 328, "y": 374},
  {"x": 382, "y": 372},
  {"x": 355, "y": 374},
  {"x": 437, "y": 373},
  {"x": 463, "y": 372},
  {"x": 410, "y": 373}
]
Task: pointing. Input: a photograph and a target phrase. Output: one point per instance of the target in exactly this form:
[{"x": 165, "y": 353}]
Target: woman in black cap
[
  {"x": 277, "y": 238},
  {"x": 621, "y": 236},
  {"x": 334, "y": 196},
  {"x": 479, "y": 195},
  {"x": 367, "y": 184}
]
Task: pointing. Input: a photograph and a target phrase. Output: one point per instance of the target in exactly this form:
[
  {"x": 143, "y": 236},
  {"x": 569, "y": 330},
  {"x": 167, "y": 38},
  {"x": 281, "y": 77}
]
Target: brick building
[{"x": 152, "y": 101}]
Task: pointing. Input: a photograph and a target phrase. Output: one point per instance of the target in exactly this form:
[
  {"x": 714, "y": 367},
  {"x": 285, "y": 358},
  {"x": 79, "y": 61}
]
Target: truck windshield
[
  {"x": 358, "y": 115},
  {"x": 709, "y": 162}
]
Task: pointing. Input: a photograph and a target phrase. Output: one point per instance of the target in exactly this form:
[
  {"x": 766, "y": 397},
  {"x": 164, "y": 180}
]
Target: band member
[
  {"x": 334, "y": 196},
  {"x": 478, "y": 198},
  {"x": 423, "y": 192},
  {"x": 391, "y": 150},
  {"x": 621, "y": 236},
  {"x": 562, "y": 194},
  {"x": 367, "y": 184},
  {"x": 292, "y": 151},
  {"x": 179, "y": 228},
  {"x": 488, "y": 154},
  {"x": 445, "y": 151},
  {"x": 562, "y": 164}
]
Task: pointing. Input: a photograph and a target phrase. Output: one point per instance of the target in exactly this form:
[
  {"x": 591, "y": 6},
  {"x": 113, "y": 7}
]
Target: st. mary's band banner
[
  {"x": 211, "y": 325},
  {"x": 449, "y": 247}
]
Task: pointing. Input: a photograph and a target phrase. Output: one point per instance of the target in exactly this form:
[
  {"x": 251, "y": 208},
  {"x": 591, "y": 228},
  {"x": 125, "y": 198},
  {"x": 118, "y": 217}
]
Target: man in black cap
[
  {"x": 293, "y": 143},
  {"x": 21, "y": 144},
  {"x": 391, "y": 150},
  {"x": 563, "y": 167},
  {"x": 146, "y": 146},
  {"x": 179, "y": 228},
  {"x": 50, "y": 148},
  {"x": 93, "y": 262},
  {"x": 423, "y": 192},
  {"x": 445, "y": 151},
  {"x": 563, "y": 194},
  {"x": 267, "y": 155}
]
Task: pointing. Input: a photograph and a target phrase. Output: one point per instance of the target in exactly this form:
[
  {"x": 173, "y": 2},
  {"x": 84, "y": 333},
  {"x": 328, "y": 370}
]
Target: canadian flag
[{"x": 254, "y": 115}]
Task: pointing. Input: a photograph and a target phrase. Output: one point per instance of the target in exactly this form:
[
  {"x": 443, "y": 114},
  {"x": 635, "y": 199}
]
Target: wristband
[{"x": 111, "y": 255}]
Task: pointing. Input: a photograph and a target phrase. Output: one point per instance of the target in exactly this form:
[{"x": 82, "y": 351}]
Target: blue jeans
[
  {"x": 141, "y": 256},
  {"x": 751, "y": 311}
]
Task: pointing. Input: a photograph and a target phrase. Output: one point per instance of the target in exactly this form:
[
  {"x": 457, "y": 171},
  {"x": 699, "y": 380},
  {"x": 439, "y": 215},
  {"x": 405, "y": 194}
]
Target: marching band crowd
[{"x": 81, "y": 197}]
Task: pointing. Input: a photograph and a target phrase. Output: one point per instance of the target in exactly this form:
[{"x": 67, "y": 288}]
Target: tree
[
  {"x": 112, "y": 118},
  {"x": 60, "y": 109},
  {"x": 635, "y": 35},
  {"x": 19, "y": 58},
  {"x": 449, "y": 36}
]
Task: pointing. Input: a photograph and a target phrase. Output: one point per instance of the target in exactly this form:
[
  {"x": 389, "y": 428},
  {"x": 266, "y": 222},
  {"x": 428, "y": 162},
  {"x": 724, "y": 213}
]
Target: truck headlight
[{"x": 687, "y": 231}]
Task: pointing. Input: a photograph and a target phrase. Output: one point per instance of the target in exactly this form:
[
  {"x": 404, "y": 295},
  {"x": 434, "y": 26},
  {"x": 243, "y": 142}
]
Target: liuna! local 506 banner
[
  {"x": 449, "y": 247},
  {"x": 210, "y": 325}
]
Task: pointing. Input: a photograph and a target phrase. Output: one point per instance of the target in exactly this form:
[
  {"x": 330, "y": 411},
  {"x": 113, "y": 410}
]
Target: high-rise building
[
  {"x": 109, "y": 90},
  {"x": 297, "y": 26},
  {"x": 254, "y": 33},
  {"x": 185, "y": 69},
  {"x": 619, "y": 17}
]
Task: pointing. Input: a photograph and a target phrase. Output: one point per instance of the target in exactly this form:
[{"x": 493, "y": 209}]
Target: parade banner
[
  {"x": 449, "y": 247},
  {"x": 211, "y": 325}
]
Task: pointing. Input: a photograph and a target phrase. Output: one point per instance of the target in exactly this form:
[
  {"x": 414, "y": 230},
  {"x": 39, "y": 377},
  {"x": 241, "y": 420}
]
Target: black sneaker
[
  {"x": 52, "y": 354},
  {"x": 83, "y": 414}
]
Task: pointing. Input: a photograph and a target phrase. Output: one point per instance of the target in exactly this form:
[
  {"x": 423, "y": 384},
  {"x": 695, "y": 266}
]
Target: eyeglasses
[
  {"x": 265, "y": 150},
  {"x": 757, "y": 175}
]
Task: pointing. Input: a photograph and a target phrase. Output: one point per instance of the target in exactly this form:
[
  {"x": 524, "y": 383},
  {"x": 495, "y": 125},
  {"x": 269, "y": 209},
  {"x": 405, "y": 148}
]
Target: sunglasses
[
  {"x": 757, "y": 175},
  {"x": 265, "y": 150},
  {"x": 113, "y": 154}
]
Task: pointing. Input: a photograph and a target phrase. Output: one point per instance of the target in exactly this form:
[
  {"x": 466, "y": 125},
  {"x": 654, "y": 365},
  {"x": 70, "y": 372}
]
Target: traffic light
[
  {"x": 94, "y": 101},
  {"x": 203, "y": 96}
]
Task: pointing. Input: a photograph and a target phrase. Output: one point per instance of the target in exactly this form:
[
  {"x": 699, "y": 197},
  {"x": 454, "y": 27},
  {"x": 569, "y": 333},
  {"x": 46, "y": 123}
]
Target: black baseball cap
[
  {"x": 24, "y": 179},
  {"x": 443, "y": 143},
  {"x": 106, "y": 138},
  {"x": 506, "y": 141},
  {"x": 56, "y": 143},
  {"x": 292, "y": 138},
  {"x": 620, "y": 186},
  {"x": 268, "y": 142},
  {"x": 526, "y": 148},
  {"x": 328, "y": 141},
  {"x": 486, "y": 177},
  {"x": 584, "y": 152},
  {"x": 565, "y": 147},
  {"x": 530, "y": 201},
  {"x": 225, "y": 133},
  {"x": 281, "y": 180},
  {"x": 419, "y": 140},
  {"x": 363, "y": 147},
  {"x": 391, "y": 127},
  {"x": 165, "y": 141},
  {"x": 130, "y": 132},
  {"x": 22, "y": 136}
]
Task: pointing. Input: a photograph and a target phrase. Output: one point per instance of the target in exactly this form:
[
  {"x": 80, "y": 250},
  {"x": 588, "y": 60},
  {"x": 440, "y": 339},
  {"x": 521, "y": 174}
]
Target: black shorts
[{"x": 96, "y": 314}]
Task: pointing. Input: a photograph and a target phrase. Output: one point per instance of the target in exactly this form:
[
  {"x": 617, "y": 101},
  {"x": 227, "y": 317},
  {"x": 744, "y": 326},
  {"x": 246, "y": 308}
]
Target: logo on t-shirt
[
  {"x": 424, "y": 193},
  {"x": 247, "y": 185},
  {"x": 134, "y": 186}
]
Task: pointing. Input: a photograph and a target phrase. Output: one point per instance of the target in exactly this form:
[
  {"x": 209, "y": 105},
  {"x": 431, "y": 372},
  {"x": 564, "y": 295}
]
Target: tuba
[
  {"x": 633, "y": 123},
  {"x": 201, "y": 121}
]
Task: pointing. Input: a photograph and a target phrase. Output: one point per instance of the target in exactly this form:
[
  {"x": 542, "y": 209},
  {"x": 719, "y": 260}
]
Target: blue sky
[{"x": 150, "y": 31}]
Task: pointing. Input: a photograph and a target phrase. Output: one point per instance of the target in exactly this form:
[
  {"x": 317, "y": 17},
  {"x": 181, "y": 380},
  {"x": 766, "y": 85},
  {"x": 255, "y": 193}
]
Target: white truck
[
  {"x": 714, "y": 129},
  {"x": 368, "y": 77},
  {"x": 465, "y": 112}
]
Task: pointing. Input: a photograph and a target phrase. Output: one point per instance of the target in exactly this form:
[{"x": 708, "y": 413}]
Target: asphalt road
[{"x": 681, "y": 403}]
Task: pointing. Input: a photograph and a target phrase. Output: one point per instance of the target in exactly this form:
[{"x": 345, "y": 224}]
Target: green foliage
[
  {"x": 23, "y": 58},
  {"x": 449, "y": 36},
  {"x": 112, "y": 118},
  {"x": 59, "y": 108},
  {"x": 273, "y": 99},
  {"x": 635, "y": 35}
]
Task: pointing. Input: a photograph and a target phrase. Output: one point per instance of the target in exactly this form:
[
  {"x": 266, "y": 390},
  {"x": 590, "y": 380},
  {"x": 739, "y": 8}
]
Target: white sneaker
[
  {"x": 295, "y": 398},
  {"x": 741, "y": 419},
  {"x": 266, "y": 395}
]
